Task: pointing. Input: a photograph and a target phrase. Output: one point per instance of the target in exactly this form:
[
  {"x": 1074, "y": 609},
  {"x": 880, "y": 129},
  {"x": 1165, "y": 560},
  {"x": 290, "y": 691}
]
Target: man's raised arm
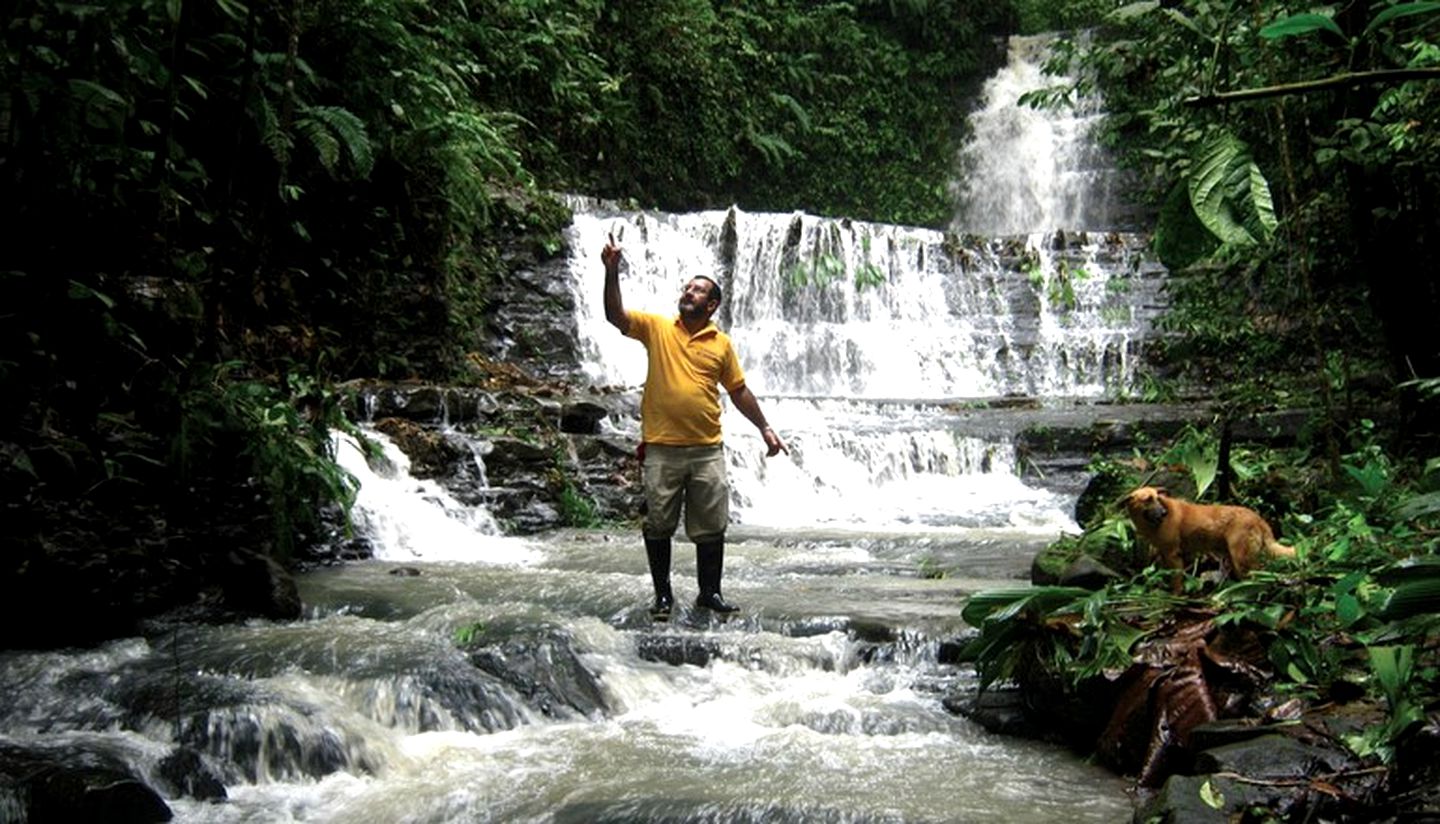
[{"x": 614, "y": 306}]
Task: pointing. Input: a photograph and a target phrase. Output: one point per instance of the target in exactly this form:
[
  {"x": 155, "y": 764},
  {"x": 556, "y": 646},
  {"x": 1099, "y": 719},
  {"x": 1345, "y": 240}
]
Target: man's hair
[{"x": 715, "y": 293}]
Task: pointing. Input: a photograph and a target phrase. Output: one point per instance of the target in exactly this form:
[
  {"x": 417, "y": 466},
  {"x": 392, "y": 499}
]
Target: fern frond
[
  {"x": 267, "y": 124},
  {"x": 772, "y": 148},
  {"x": 331, "y": 129},
  {"x": 319, "y": 138},
  {"x": 795, "y": 108}
]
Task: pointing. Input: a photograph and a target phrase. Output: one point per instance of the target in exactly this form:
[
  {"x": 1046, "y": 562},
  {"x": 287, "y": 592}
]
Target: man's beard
[{"x": 693, "y": 312}]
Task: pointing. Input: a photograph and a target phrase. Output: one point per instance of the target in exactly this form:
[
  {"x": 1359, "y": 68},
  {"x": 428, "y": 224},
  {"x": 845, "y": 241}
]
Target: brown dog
[{"x": 1182, "y": 532}]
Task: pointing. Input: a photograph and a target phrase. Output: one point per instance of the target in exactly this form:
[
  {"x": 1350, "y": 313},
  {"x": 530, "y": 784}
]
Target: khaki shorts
[{"x": 694, "y": 475}]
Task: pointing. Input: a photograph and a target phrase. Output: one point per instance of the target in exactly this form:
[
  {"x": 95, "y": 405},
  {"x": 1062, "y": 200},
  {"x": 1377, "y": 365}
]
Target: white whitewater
[
  {"x": 863, "y": 380},
  {"x": 951, "y": 320},
  {"x": 1028, "y": 170},
  {"x": 408, "y": 519}
]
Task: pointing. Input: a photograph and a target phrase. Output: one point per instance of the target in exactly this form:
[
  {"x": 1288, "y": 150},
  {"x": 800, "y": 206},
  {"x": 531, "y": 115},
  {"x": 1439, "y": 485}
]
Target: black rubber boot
[
  {"x": 709, "y": 564},
  {"x": 657, "y": 552}
]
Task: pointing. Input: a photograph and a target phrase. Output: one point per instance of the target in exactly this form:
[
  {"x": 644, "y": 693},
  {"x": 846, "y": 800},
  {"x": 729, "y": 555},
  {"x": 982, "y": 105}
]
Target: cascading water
[
  {"x": 468, "y": 676},
  {"x": 406, "y": 519},
  {"x": 871, "y": 382},
  {"x": 874, "y": 348},
  {"x": 1028, "y": 170},
  {"x": 948, "y": 318}
]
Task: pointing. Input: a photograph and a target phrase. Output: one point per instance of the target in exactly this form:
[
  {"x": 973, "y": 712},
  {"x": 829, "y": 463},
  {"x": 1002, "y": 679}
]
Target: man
[{"x": 682, "y": 456}]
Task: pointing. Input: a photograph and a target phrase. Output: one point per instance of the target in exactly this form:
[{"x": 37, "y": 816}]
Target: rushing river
[{"x": 820, "y": 703}]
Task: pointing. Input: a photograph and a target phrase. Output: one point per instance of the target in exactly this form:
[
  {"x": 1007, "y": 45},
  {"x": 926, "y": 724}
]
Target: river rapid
[{"x": 822, "y": 701}]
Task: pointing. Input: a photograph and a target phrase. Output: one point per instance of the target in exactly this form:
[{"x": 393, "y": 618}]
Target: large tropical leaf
[
  {"x": 1298, "y": 24},
  {"x": 1003, "y": 604},
  {"x": 1397, "y": 11},
  {"x": 1229, "y": 193},
  {"x": 1427, "y": 503}
]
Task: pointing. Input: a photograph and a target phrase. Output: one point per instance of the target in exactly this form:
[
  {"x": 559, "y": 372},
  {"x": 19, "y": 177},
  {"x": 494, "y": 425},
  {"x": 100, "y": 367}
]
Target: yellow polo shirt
[{"x": 681, "y": 403}]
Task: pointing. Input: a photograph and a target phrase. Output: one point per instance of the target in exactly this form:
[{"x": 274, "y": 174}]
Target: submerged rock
[{"x": 72, "y": 782}]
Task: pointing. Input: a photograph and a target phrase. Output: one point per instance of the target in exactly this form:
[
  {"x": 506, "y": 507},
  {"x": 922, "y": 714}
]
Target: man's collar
[{"x": 708, "y": 327}]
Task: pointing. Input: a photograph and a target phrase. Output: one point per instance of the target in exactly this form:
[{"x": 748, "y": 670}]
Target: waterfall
[
  {"x": 864, "y": 340},
  {"x": 868, "y": 342},
  {"x": 408, "y": 519},
  {"x": 1027, "y": 170},
  {"x": 946, "y": 317}
]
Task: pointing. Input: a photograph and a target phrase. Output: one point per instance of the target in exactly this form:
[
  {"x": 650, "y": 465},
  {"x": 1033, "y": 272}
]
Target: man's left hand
[{"x": 774, "y": 446}]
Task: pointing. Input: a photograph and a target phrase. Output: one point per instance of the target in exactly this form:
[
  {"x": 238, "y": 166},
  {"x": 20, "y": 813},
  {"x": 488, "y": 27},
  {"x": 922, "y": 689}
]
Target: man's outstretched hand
[
  {"x": 773, "y": 445},
  {"x": 610, "y": 255}
]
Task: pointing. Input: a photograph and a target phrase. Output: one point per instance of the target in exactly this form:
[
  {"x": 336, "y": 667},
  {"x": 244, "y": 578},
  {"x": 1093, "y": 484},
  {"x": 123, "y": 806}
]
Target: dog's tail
[{"x": 1275, "y": 549}]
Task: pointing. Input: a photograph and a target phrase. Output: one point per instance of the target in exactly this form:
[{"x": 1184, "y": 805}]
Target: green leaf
[
  {"x": 1002, "y": 604},
  {"x": 1179, "y": 17},
  {"x": 233, "y": 9},
  {"x": 1416, "y": 597},
  {"x": 1397, "y": 11},
  {"x": 1229, "y": 193},
  {"x": 1180, "y": 238},
  {"x": 1263, "y": 206},
  {"x": 1420, "y": 567},
  {"x": 1207, "y": 189},
  {"x": 1131, "y": 11},
  {"x": 1393, "y": 667},
  {"x": 1348, "y": 610},
  {"x": 1418, "y": 506},
  {"x": 1298, "y": 24},
  {"x": 1212, "y": 797},
  {"x": 80, "y": 291}
]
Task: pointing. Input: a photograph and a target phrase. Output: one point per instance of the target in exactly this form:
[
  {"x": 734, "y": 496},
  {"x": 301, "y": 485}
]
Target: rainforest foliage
[{"x": 1288, "y": 151}]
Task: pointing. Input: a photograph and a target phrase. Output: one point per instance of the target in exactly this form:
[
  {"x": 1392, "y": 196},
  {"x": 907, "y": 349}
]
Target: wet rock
[
  {"x": 184, "y": 773},
  {"x": 257, "y": 584},
  {"x": 1205, "y": 799},
  {"x": 1057, "y": 565},
  {"x": 546, "y": 671},
  {"x": 952, "y": 651},
  {"x": 1227, "y": 731},
  {"x": 1000, "y": 711},
  {"x": 531, "y": 316},
  {"x": 1270, "y": 757},
  {"x": 678, "y": 650},
  {"x": 582, "y": 417},
  {"x": 1416, "y": 774},
  {"x": 507, "y": 455},
  {"x": 431, "y": 453},
  {"x": 1087, "y": 573},
  {"x": 73, "y": 783}
]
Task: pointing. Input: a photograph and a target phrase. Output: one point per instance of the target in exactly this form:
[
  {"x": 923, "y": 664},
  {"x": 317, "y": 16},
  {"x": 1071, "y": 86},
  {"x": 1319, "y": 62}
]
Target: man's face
[{"x": 695, "y": 299}]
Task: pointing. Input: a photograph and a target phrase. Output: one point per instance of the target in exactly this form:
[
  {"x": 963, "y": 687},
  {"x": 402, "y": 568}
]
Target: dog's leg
[
  {"x": 1242, "y": 547},
  {"x": 1170, "y": 557}
]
